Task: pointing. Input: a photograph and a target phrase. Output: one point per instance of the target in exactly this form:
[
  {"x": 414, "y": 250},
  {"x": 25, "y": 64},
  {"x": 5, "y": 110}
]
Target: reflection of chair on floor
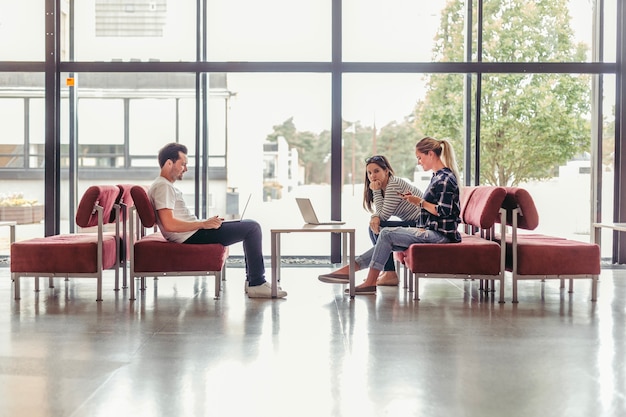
[
  {"x": 153, "y": 255},
  {"x": 77, "y": 254}
]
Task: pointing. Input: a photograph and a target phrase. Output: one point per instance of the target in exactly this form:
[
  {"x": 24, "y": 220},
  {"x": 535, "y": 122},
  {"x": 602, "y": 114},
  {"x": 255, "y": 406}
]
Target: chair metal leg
[
  {"x": 218, "y": 285},
  {"x": 16, "y": 283},
  {"x": 415, "y": 284}
]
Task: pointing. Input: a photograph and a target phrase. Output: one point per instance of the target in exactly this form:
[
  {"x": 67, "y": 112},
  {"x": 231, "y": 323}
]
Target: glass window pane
[
  {"x": 270, "y": 30},
  {"x": 218, "y": 131},
  {"x": 151, "y": 121},
  {"x": 280, "y": 121},
  {"x": 17, "y": 20},
  {"x": 382, "y": 116},
  {"x": 394, "y": 30},
  {"x": 544, "y": 31},
  {"x": 21, "y": 154},
  {"x": 158, "y": 30},
  {"x": 378, "y": 109},
  {"x": 36, "y": 132},
  {"x": 610, "y": 31},
  {"x": 12, "y": 122},
  {"x": 539, "y": 138}
]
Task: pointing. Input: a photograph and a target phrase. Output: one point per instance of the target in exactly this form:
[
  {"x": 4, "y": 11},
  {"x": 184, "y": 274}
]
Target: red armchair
[
  {"x": 153, "y": 255},
  {"x": 477, "y": 256},
  {"x": 534, "y": 256},
  {"x": 76, "y": 254}
]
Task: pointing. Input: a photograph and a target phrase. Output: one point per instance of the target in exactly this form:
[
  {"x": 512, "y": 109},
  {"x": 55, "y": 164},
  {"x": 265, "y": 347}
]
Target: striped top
[{"x": 390, "y": 204}]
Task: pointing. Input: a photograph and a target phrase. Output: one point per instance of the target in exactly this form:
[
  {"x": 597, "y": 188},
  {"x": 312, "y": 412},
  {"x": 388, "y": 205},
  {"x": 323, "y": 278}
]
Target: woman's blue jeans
[
  {"x": 393, "y": 239},
  {"x": 390, "y": 265}
]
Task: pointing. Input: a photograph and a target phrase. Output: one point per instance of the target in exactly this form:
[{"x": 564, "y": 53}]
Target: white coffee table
[{"x": 348, "y": 236}]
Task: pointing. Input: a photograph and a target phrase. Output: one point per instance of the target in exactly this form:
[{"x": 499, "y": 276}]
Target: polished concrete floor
[{"x": 178, "y": 352}]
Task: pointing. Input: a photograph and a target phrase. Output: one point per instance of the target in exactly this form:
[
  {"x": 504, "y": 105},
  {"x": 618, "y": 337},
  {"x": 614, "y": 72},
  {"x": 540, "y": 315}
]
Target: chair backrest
[
  {"x": 144, "y": 207},
  {"x": 480, "y": 205},
  {"x": 124, "y": 198},
  {"x": 519, "y": 198},
  {"x": 103, "y": 195}
]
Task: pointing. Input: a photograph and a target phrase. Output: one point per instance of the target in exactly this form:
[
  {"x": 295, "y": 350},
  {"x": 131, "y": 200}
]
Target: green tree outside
[{"x": 530, "y": 124}]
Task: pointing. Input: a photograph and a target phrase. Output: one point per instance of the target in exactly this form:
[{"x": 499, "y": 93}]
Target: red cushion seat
[
  {"x": 60, "y": 254},
  {"x": 472, "y": 256},
  {"x": 153, "y": 253},
  {"x": 547, "y": 255}
]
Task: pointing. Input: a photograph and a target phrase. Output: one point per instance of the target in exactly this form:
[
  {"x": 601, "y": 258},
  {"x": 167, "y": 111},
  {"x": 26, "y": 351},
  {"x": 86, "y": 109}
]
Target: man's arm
[{"x": 172, "y": 224}]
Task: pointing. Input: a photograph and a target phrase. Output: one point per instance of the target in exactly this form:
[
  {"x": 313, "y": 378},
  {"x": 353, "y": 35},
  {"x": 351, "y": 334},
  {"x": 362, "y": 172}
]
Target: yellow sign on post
[{"x": 69, "y": 82}]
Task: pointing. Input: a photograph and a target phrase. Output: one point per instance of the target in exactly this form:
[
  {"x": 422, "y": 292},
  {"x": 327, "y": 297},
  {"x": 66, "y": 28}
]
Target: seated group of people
[{"x": 432, "y": 216}]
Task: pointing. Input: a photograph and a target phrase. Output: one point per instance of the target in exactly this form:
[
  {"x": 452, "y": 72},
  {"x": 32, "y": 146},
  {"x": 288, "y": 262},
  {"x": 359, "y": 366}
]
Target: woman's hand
[
  {"x": 413, "y": 199},
  {"x": 376, "y": 185},
  {"x": 375, "y": 224}
]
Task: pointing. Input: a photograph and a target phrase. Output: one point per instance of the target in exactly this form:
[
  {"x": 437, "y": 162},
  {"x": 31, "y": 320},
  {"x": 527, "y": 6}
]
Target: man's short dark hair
[{"x": 170, "y": 151}]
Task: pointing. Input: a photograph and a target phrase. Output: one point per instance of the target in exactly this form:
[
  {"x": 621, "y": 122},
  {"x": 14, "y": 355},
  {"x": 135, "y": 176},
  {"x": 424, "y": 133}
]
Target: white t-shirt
[{"x": 164, "y": 195}]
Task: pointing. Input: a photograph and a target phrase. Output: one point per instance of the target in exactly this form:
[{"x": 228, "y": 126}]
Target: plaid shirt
[{"x": 443, "y": 192}]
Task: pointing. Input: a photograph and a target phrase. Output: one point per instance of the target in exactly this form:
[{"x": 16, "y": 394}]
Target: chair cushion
[
  {"x": 72, "y": 253},
  {"x": 547, "y": 255},
  {"x": 144, "y": 207},
  {"x": 482, "y": 205},
  {"x": 520, "y": 198},
  {"x": 154, "y": 253},
  {"x": 124, "y": 196},
  {"x": 104, "y": 195},
  {"x": 472, "y": 256}
]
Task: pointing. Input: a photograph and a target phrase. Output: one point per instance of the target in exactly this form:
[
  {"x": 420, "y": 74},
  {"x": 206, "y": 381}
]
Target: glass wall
[{"x": 253, "y": 89}]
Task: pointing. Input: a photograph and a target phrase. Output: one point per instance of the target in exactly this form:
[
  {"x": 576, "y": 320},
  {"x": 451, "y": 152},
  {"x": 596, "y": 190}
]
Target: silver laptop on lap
[
  {"x": 308, "y": 213},
  {"x": 242, "y": 213}
]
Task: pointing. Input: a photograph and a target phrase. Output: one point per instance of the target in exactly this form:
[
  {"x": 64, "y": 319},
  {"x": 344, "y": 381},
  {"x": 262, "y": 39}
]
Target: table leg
[
  {"x": 275, "y": 257},
  {"x": 352, "y": 263},
  {"x": 344, "y": 251}
]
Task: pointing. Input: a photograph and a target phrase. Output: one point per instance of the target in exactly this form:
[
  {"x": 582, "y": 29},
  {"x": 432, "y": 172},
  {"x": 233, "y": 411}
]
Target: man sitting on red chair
[{"x": 178, "y": 224}]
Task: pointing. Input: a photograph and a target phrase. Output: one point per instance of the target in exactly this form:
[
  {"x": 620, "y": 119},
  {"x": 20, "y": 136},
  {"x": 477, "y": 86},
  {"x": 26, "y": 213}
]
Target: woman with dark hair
[{"x": 382, "y": 196}]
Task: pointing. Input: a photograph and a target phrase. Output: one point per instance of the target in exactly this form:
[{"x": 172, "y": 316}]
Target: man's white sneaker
[
  {"x": 245, "y": 287},
  {"x": 264, "y": 291}
]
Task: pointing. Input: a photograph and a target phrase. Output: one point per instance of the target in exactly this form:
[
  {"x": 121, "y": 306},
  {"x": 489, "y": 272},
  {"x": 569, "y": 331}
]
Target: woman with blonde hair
[{"x": 437, "y": 222}]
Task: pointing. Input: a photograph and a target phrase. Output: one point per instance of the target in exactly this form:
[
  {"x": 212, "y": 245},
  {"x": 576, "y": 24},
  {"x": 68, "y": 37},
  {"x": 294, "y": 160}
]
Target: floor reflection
[{"x": 177, "y": 351}]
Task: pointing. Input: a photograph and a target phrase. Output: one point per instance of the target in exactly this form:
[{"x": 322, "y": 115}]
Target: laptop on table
[{"x": 308, "y": 213}]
